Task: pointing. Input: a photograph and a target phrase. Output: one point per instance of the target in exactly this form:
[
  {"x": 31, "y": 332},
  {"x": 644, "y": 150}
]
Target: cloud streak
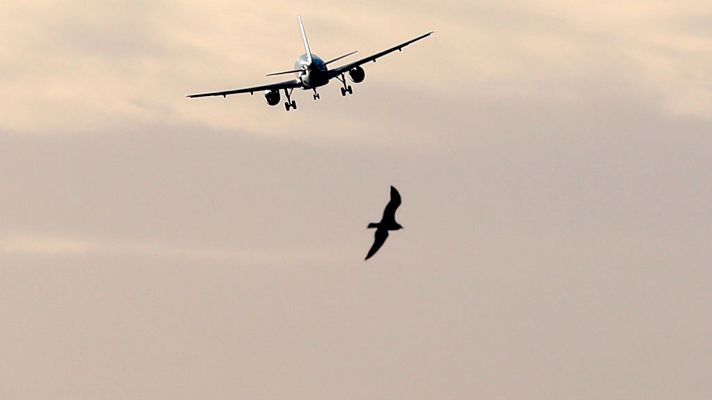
[
  {"x": 62, "y": 246},
  {"x": 33, "y": 245}
]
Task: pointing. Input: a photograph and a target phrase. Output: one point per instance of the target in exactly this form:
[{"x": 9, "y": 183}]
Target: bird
[{"x": 388, "y": 223}]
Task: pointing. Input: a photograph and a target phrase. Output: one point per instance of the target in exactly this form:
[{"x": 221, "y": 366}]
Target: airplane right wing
[
  {"x": 344, "y": 68},
  {"x": 294, "y": 83}
]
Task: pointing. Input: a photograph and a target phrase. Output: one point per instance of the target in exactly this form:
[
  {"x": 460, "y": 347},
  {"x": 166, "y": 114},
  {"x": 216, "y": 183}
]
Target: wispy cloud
[
  {"x": 49, "y": 245},
  {"x": 44, "y": 245}
]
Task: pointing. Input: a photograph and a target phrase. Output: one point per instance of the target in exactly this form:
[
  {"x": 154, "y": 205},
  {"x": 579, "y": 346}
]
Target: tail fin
[
  {"x": 372, "y": 225},
  {"x": 306, "y": 42}
]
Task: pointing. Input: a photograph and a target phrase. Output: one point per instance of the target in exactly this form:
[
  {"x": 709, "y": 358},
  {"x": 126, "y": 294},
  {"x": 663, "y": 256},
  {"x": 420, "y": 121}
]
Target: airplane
[{"x": 312, "y": 72}]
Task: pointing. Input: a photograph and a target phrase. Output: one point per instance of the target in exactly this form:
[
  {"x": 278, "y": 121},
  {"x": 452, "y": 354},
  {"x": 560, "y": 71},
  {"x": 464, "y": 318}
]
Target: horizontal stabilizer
[
  {"x": 294, "y": 71},
  {"x": 339, "y": 58}
]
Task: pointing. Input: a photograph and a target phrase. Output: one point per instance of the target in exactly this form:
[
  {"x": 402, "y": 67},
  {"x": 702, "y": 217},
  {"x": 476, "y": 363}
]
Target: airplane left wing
[
  {"x": 294, "y": 83},
  {"x": 345, "y": 68}
]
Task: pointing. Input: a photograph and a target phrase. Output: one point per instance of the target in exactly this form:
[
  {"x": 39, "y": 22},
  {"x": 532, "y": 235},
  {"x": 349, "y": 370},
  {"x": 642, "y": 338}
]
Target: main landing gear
[
  {"x": 346, "y": 88},
  {"x": 290, "y": 103},
  {"x": 316, "y": 95}
]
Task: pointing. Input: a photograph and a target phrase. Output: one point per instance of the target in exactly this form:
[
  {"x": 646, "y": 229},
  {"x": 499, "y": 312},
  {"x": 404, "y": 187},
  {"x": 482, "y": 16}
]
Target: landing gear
[
  {"x": 290, "y": 103},
  {"x": 346, "y": 88},
  {"x": 316, "y": 95}
]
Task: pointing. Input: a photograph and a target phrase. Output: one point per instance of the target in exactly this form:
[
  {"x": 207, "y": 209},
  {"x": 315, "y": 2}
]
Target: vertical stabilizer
[{"x": 306, "y": 42}]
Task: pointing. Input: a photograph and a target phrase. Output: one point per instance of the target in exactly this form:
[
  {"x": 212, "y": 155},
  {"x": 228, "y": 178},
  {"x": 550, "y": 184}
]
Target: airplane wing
[
  {"x": 294, "y": 83},
  {"x": 373, "y": 57}
]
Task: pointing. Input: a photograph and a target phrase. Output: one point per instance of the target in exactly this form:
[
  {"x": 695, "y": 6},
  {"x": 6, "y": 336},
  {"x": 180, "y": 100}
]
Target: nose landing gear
[{"x": 316, "y": 95}]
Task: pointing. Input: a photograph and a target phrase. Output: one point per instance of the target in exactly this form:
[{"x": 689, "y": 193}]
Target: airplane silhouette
[
  {"x": 311, "y": 73},
  {"x": 388, "y": 223}
]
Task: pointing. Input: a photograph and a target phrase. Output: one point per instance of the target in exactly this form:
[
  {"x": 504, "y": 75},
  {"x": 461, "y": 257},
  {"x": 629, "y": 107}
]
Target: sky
[{"x": 553, "y": 158}]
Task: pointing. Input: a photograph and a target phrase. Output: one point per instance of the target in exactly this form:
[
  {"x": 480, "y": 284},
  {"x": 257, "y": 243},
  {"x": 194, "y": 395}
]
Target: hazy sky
[{"x": 554, "y": 160}]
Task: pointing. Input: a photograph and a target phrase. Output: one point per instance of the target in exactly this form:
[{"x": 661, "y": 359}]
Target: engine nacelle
[
  {"x": 357, "y": 75},
  {"x": 272, "y": 97}
]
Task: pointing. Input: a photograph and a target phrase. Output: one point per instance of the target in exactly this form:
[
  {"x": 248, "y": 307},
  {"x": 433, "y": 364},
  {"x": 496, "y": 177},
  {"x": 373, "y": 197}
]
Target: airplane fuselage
[{"x": 311, "y": 75}]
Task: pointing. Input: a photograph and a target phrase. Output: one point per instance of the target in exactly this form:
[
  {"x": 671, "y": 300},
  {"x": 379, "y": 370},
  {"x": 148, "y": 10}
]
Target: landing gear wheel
[
  {"x": 290, "y": 103},
  {"x": 316, "y": 96},
  {"x": 346, "y": 89}
]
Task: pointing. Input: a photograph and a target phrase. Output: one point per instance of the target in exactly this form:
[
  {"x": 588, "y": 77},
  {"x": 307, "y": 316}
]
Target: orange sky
[{"x": 553, "y": 159}]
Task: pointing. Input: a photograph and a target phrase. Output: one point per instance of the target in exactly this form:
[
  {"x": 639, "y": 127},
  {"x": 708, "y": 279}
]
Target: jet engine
[
  {"x": 272, "y": 97},
  {"x": 357, "y": 74}
]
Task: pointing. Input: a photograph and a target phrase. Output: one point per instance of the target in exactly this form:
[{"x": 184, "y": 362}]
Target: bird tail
[{"x": 372, "y": 225}]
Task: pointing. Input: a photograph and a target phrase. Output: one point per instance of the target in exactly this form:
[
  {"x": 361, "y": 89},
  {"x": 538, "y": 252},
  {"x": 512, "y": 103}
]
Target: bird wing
[
  {"x": 389, "y": 213},
  {"x": 379, "y": 238}
]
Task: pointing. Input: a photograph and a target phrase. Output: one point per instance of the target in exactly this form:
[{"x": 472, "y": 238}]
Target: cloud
[
  {"x": 104, "y": 66},
  {"x": 58, "y": 245},
  {"x": 26, "y": 244}
]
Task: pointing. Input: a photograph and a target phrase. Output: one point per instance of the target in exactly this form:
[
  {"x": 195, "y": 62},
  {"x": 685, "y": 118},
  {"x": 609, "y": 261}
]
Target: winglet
[{"x": 306, "y": 42}]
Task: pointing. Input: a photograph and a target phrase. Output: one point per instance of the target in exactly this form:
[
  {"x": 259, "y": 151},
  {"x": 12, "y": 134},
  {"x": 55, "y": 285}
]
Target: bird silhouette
[{"x": 388, "y": 223}]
